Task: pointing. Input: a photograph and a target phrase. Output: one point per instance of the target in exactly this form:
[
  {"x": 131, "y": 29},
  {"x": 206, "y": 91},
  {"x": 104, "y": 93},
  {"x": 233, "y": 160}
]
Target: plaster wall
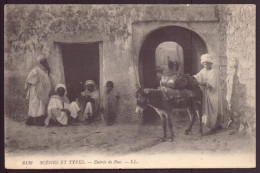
[
  {"x": 31, "y": 30},
  {"x": 237, "y": 32}
]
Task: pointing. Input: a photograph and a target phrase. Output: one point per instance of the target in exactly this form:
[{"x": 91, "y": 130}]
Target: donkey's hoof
[
  {"x": 163, "y": 139},
  {"x": 187, "y": 132}
]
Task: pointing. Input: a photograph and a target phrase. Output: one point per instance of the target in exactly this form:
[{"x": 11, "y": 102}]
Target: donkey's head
[{"x": 141, "y": 99}]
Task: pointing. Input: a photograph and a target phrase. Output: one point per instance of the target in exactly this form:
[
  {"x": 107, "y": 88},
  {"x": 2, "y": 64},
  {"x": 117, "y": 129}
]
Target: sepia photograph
[{"x": 125, "y": 86}]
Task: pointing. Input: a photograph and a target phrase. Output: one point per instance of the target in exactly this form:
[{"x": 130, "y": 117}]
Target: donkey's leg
[
  {"x": 170, "y": 126},
  {"x": 163, "y": 117},
  {"x": 200, "y": 120},
  {"x": 164, "y": 125},
  {"x": 192, "y": 118}
]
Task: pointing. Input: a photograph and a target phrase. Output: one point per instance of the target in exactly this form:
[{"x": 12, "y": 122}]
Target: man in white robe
[
  {"x": 38, "y": 88},
  {"x": 59, "y": 108},
  {"x": 89, "y": 102},
  {"x": 208, "y": 79}
]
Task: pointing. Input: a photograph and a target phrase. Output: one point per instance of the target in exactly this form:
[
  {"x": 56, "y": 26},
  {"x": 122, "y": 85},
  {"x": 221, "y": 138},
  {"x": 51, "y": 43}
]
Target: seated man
[
  {"x": 88, "y": 102},
  {"x": 59, "y": 110}
]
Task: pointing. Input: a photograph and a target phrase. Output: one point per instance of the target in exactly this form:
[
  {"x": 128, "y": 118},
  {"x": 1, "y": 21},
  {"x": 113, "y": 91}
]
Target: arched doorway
[{"x": 192, "y": 45}]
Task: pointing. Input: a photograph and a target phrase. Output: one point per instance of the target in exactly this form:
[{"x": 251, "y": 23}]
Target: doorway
[
  {"x": 193, "y": 46},
  {"x": 81, "y": 63}
]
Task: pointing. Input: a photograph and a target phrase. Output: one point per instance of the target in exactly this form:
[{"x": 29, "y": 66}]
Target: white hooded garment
[
  {"x": 212, "y": 97},
  {"x": 38, "y": 87},
  {"x": 57, "y": 103}
]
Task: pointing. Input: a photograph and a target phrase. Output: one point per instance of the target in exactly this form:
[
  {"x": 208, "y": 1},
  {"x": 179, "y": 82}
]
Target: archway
[{"x": 192, "y": 44}]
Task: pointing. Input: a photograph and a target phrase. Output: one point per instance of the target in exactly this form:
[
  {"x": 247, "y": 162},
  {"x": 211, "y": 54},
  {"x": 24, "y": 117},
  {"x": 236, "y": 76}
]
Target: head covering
[
  {"x": 64, "y": 98},
  {"x": 88, "y": 82},
  {"x": 40, "y": 58},
  {"x": 110, "y": 83},
  {"x": 207, "y": 58},
  {"x": 60, "y": 86}
]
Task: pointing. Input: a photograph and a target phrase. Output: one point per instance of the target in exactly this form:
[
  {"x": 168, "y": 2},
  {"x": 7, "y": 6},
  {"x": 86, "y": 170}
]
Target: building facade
[{"x": 120, "y": 41}]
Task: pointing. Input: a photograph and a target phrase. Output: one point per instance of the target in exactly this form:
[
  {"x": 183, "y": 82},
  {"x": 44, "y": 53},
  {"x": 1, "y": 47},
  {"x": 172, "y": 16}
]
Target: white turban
[
  {"x": 60, "y": 86},
  {"x": 207, "y": 58},
  {"x": 89, "y": 82},
  {"x": 40, "y": 58}
]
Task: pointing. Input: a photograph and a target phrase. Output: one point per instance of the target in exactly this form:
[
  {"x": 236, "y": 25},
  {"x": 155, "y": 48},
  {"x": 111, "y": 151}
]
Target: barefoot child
[{"x": 109, "y": 103}]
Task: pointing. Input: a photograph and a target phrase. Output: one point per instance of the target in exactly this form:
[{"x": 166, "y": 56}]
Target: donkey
[{"x": 155, "y": 98}]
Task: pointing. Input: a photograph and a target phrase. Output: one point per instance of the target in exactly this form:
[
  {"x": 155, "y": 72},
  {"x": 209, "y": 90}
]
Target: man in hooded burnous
[
  {"x": 60, "y": 110},
  {"x": 38, "y": 88},
  {"x": 208, "y": 79},
  {"x": 88, "y": 102}
]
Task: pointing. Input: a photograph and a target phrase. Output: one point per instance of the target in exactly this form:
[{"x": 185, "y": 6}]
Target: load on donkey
[{"x": 176, "y": 91}]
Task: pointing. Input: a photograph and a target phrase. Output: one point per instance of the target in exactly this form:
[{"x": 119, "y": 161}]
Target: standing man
[
  {"x": 38, "y": 88},
  {"x": 208, "y": 79}
]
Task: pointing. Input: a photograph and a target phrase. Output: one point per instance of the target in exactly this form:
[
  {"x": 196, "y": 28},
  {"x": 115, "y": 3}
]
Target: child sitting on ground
[{"x": 109, "y": 103}]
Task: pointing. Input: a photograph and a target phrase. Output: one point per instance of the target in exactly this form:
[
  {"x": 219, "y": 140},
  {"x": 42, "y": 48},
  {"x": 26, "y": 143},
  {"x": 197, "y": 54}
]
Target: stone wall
[
  {"x": 237, "y": 32},
  {"x": 31, "y": 30}
]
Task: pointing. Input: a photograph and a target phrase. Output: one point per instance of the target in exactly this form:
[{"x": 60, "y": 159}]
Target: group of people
[
  {"x": 57, "y": 109},
  {"x": 89, "y": 104}
]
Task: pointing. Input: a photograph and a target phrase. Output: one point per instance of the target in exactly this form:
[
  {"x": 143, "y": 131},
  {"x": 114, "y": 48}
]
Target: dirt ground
[{"x": 121, "y": 139}]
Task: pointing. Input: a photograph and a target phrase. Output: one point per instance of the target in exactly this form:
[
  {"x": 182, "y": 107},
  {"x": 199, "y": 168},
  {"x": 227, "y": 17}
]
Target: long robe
[
  {"x": 212, "y": 97},
  {"x": 39, "y": 87},
  {"x": 57, "y": 103},
  {"x": 87, "y": 106},
  {"x": 109, "y": 103},
  {"x": 94, "y": 95}
]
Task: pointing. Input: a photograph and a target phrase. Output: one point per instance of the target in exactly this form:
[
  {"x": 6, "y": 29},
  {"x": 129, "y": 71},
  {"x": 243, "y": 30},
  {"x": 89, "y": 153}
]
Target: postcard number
[{"x": 27, "y": 162}]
